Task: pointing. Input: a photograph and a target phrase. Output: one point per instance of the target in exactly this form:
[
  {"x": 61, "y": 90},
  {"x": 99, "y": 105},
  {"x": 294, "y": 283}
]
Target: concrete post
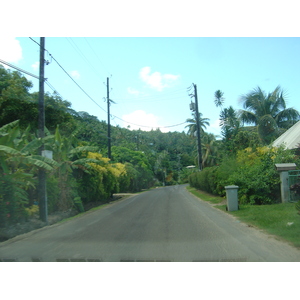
[
  {"x": 284, "y": 186},
  {"x": 283, "y": 170},
  {"x": 232, "y": 197}
]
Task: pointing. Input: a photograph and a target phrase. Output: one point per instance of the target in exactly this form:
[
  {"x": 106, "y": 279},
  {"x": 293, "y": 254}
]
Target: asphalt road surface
[{"x": 164, "y": 224}]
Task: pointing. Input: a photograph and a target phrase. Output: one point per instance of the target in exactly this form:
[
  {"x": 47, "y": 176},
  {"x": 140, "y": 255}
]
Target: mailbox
[{"x": 285, "y": 167}]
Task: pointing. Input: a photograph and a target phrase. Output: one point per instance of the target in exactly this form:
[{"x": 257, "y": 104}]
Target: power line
[
  {"x": 53, "y": 88},
  {"x": 36, "y": 42},
  {"x": 169, "y": 126},
  {"x": 19, "y": 69},
  {"x": 76, "y": 82},
  {"x": 52, "y": 57},
  {"x": 73, "y": 44},
  {"x": 97, "y": 56},
  {"x": 145, "y": 126}
]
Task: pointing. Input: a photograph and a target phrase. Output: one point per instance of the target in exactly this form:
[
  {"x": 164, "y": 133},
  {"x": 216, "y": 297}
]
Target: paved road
[{"x": 165, "y": 224}]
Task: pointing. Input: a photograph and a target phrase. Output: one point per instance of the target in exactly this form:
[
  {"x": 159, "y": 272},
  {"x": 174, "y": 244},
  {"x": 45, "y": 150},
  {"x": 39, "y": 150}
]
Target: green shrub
[
  {"x": 253, "y": 170},
  {"x": 78, "y": 204},
  {"x": 13, "y": 198},
  {"x": 204, "y": 180}
]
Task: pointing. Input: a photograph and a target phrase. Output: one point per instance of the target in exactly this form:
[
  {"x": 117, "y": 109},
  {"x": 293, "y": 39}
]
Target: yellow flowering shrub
[
  {"x": 104, "y": 179},
  {"x": 32, "y": 210}
]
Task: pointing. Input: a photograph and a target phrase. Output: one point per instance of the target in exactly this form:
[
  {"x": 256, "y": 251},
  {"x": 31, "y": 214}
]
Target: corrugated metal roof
[{"x": 291, "y": 138}]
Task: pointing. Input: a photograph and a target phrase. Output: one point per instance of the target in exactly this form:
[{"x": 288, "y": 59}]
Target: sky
[{"x": 149, "y": 77}]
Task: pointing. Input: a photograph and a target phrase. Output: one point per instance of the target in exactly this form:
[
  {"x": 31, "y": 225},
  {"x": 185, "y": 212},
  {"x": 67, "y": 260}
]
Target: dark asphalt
[{"x": 164, "y": 224}]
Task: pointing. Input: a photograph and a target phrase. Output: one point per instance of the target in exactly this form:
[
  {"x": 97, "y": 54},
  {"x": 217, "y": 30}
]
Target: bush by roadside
[{"x": 252, "y": 169}]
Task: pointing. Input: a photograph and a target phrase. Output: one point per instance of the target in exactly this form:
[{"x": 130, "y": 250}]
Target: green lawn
[
  {"x": 280, "y": 219},
  {"x": 205, "y": 196}
]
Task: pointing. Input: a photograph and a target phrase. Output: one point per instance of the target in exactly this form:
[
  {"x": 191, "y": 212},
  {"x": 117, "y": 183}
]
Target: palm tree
[
  {"x": 268, "y": 113},
  {"x": 219, "y": 99},
  {"x": 229, "y": 121},
  {"x": 192, "y": 126},
  {"x": 210, "y": 150}
]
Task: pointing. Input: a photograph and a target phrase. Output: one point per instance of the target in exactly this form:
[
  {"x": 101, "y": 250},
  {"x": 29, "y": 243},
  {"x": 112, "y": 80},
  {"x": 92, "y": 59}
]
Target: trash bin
[{"x": 232, "y": 197}]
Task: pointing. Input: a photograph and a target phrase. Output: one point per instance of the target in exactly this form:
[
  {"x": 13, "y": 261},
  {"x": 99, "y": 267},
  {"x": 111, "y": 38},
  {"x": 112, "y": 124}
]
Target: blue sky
[{"x": 149, "y": 76}]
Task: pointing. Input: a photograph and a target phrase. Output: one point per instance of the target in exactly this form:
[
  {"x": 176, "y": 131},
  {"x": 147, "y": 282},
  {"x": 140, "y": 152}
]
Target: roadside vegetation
[{"x": 80, "y": 172}]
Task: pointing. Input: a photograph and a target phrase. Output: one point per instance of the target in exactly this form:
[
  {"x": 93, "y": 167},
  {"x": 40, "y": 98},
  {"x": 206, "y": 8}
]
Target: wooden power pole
[
  {"x": 198, "y": 129},
  {"x": 42, "y": 194},
  {"x": 108, "y": 121}
]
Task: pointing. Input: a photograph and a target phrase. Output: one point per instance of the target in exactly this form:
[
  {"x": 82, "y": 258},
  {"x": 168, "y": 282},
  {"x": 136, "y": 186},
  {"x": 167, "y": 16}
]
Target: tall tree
[
  {"x": 15, "y": 100},
  {"x": 268, "y": 112}
]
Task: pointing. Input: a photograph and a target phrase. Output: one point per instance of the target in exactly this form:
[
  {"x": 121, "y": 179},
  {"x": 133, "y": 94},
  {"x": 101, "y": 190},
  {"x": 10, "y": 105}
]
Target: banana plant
[
  {"x": 72, "y": 162},
  {"x": 19, "y": 163},
  {"x": 16, "y": 150}
]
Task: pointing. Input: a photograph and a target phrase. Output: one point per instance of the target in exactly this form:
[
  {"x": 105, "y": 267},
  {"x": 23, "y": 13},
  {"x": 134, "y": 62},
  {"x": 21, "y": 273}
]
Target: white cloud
[
  {"x": 36, "y": 65},
  {"x": 75, "y": 74},
  {"x": 133, "y": 91},
  {"x": 157, "y": 80},
  {"x": 214, "y": 127},
  {"x": 140, "y": 117},
  {"x": 10, "y": 50}
]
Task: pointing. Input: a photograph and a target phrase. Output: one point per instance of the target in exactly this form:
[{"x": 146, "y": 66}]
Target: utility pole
[
  {"x": 42, "y": 193},
  {"x": 198, "y": 129},
  {"x": 108, "y": 121}
]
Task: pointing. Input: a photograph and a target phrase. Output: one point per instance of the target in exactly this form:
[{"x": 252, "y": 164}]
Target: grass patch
[
  {"x": 278, "y": 219},
  {"x": 205, "y": 196},
  {"x": 281, "y": 219}
]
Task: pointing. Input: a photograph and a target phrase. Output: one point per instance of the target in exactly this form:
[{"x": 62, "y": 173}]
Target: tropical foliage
[
  {"x": 268, "y": 112},
  {"x": 252, "y": 170},
  {"x": 80, "y": 173},
  {"x": 244, "y": 157}
]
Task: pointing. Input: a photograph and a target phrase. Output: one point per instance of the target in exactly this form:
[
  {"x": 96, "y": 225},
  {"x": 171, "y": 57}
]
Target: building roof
[{"x": 290, "y": 139}]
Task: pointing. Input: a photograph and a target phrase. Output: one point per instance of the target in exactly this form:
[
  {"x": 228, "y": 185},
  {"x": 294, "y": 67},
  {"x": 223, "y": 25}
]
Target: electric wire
[
  {"x": 19, "y": 69},
  {"x": 36, "y": 42},
  {"x": 145, "y": 126},
  {"x": 52, "y": 57},
  {"x": 30, "y": 74},
  {"x": 97, "y": 56},
  {"x": 77, "y": 83},
  {"x": 77, "y": 49},
  {"x": 53, "y": 88}
]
